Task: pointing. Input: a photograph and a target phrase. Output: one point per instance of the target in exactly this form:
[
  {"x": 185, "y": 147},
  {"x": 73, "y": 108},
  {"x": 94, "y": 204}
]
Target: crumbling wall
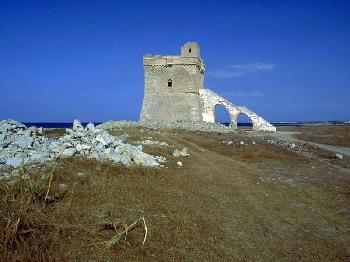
[{"x": 210, "y": 100}]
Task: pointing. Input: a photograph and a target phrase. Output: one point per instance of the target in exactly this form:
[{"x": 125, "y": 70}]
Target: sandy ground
[
  {"x": 256, "y": 201},
  {"x": 292, "y": 137}
]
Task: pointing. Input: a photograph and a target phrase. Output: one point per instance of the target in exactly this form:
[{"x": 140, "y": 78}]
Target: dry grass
[
  {"x": 338, "y": 135},
  {"x": 226, "y": 203},
  {"x": 54, "y": 132}
]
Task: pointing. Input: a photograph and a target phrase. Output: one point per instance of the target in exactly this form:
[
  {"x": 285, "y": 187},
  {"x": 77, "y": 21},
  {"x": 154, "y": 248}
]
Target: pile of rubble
[
  {"x": 185, "y": 125},
  {"x": 20, "y": 145}
]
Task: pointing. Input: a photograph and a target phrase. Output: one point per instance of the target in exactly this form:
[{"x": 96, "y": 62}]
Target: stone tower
[{"x": 172, "y": 85}]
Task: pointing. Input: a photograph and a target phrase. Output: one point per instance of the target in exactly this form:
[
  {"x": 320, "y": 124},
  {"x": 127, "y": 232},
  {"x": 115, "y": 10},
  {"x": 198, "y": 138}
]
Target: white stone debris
[
  {"x": 152, "y": 142},
  {"x": 339, "y": 156},
  {"x": 242, "y": 142},
  {"x": 227, "y": 142},
  {"x": 20, "y": 145},
  {"x": 183, "y": 152},
  {"x": 179, "y": 163}
]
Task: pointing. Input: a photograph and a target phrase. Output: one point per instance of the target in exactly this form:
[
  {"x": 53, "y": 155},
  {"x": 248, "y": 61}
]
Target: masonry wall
[{"x": 181, "y": 101}]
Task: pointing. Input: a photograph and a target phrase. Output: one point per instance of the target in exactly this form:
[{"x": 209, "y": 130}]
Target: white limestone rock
[
  {"x": 14, "y": 161},
  {"x": 339, "y": 156},
  {"x": 68, "y": 152},
  {"x": 183, "y": 152},
  {"x": 21, "y": 145},
  {"x": 104, "y": 138},
  {"x": 24, "y": 141},
  {"x": 77, "y": 125}
]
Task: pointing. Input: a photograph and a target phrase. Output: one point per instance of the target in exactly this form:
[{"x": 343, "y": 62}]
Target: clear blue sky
[{"x": 285, "y": 60}]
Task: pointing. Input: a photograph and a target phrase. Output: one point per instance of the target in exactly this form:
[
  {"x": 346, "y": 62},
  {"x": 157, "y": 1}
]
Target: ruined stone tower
[
  {"x": 174, "y": 91},
  {"x": 172, "y": 85}
]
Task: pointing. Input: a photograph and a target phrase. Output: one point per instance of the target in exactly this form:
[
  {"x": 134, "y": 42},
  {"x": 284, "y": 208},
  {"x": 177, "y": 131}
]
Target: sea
[{"x": 242, "y": 124}]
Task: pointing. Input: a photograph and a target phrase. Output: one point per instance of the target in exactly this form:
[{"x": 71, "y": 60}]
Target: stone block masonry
[{"x": 174, "y": 91}]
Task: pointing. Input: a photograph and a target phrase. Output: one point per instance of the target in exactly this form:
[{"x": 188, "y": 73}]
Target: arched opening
[
  {"x": 222, "y": 116},
  {"x": 170, "y": 83},
  {"x": 244, "y": 122}
]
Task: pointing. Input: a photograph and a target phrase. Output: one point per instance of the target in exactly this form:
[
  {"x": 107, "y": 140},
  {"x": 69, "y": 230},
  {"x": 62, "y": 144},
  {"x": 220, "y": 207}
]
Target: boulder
[
  {"x": 77, "y": 125},
  {"x": 14, "y": 162},
  {"x": 104, "y": 138},
  {"x": 24, "y": 141},
  {"x": 68, "y": 152}
]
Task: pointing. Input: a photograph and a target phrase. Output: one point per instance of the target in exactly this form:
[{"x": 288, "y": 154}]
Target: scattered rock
[
  {"x": 81, "y": 175},
  {"x": 227, "y": 142},
  {"x": 179, "y": 163},
  {"x": 242, "y": 143},
  {"x": 339, "y": 156},
  {"x": 183, "y": 152}
]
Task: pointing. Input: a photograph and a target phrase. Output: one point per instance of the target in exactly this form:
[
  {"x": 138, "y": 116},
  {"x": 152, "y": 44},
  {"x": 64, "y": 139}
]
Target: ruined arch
[
  {"x": 244, "y": 121},
  {"x": 221, "y": 114},
  {"x": 210, "y": 100}
]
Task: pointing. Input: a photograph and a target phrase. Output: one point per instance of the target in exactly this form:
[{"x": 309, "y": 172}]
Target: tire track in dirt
[{"x": 212, "y": 158}]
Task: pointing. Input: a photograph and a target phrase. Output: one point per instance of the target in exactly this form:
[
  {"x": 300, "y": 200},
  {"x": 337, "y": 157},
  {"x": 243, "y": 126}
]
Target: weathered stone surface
[
  {"x": 104, "y": 138},
  {"x": 24, "y": 141},
  {"x": 68, "y": 152},
  {"x": 174, "y": 92},
  {"x": 21, "y": 145},
  {"x": 14, "y": 161},
  {"x": 172, "y": 86},
  {"x": 77, "y": 125},
  {"x": 210, "y": 100}
]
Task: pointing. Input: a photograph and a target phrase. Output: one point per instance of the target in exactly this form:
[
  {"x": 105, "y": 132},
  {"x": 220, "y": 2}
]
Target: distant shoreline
[{"x": 241, "y": 124}]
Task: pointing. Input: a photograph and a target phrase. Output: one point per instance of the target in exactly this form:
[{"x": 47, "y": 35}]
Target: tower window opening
[
  {"x": 189, "y": 50},
  {"x": 170, "y": 83}
]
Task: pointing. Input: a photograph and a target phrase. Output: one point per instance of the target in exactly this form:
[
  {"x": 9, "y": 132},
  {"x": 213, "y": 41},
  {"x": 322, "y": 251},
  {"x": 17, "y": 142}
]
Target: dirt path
[{"x": 289, "y": 137}]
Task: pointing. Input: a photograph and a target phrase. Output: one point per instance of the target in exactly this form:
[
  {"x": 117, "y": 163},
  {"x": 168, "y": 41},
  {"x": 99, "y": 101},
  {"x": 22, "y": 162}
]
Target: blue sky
[{"x": 285, "y": 60}]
